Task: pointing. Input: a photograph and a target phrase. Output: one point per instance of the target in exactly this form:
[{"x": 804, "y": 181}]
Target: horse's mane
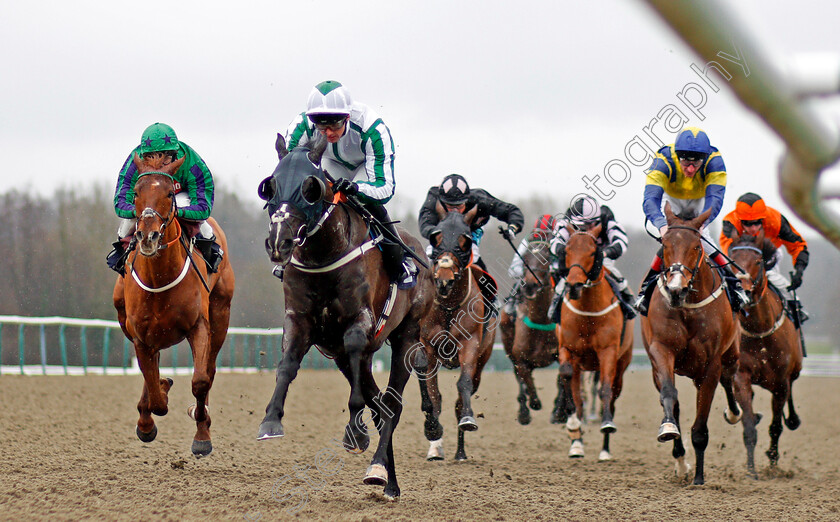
[
  {"x": 154, "y": 160},
  {"x": 687, "y": 214}
]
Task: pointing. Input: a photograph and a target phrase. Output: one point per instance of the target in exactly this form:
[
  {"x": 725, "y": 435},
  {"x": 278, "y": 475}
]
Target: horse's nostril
[
  {"x": 138, "y": 235},
  {"x": 153, "y": 236}
]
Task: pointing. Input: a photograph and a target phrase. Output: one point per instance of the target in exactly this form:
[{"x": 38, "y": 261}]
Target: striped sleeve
[
  {"x": 124, "y": 194},
  {"x": 196, "y": 178},
  {"x": 379, "y": 164},
  {"x": 795, "y": 245},
  {"x": 299, "y": 132},
  {"x": 617, "y": 238}
]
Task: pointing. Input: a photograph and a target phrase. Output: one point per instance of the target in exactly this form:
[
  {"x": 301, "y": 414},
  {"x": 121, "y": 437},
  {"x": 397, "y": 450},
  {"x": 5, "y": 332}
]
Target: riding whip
[
  {"x": 524, "y": 263},
  {"x": 797, "y": 321}
]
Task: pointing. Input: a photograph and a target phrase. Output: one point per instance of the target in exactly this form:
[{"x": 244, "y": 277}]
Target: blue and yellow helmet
[{"x": 692, "y": 143}]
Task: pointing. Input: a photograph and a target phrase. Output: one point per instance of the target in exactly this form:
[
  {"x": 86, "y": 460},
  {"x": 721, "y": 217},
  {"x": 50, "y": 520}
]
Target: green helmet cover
[{"x": 158, "y": 137}]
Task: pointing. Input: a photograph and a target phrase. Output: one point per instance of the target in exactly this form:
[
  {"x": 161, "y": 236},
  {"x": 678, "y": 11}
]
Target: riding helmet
[
  {"x": 584, "y": 210},
  {"x": 692, "y": 144},
  {"x": 750, "y": 207},
  {"x": 454, "y": 190},
  {"x": 158, "y": 137},
  {"x": 329, "y": 97}
]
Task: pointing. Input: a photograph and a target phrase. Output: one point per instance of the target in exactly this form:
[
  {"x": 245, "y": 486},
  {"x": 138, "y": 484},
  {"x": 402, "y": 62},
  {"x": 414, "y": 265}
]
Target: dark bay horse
[
  {"x": 529, "y": 339},
  {"x": 593, "y": 335},
  {"x": 162, "y": 300},
  {"x": 338, "y": 298},
  {"x": 771, "y": 355},
  {"x": 690, "y": 330},
  {"x": 456, "y": 331}
]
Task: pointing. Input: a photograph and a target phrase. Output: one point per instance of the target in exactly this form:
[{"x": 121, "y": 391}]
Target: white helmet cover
[{"x": 329, "y": 97}]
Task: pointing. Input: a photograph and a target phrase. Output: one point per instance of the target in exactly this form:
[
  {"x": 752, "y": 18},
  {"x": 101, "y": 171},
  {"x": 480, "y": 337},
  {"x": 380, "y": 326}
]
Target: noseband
[
  {"x": 302, "y": 234},
  {"x": 757, "y": 281}
]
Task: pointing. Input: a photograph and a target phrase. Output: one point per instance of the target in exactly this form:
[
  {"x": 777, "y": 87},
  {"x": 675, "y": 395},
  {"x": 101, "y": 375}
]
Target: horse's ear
[
  {"x": 669, "y": 214},
  {"x": 312, "y": 189},
  {"x": 441, "y": 212},
  {"x": 435, "y": 238},
  {"x": 280, "y": 146},
  {"x": 266, "y": 188},
  {"x": 175, "y": 165},
  {"x": 470, "y": 215},
  {"x": 138, "y": 160},
  {"x": 596, "y": 231},
  {"x": 465, "y": 243},
  {"x": 318, "y": 151},
  {"x": 759, "y": 239},
  {"x": 699, "y": 220}
]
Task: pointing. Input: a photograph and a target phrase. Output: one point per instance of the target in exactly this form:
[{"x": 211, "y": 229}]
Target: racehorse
[
  {"x": 163, "y": 301},
  {"x": 593, "y": 335},
  {"x": 690, "y": 330},
  {"x": 529, "y": 337},
  {"x": 456, "y": 332},
  {"x": 338, "y": 297},
  {"x": 771, "y": 355}
]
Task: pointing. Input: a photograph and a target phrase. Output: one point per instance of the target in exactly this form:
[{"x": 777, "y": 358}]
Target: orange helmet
[{"x": 750, "y": 207}]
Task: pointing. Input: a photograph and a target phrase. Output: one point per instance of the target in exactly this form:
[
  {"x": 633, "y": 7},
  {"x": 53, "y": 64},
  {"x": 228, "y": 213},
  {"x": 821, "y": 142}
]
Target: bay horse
[
  {"x": 690, "y": 330},
  {"x": 339, "y": 298},
  {"x": 593, "y": 335},
  {"x": 163, "y": 300},
  {"x": 771, "y": 355},
  {"x": 457, "y": 331},
  {"x": 529, "y": 338}
]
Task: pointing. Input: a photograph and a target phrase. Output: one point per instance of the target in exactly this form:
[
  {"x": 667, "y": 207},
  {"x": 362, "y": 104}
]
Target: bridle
[
  {"x": 679, "y": 267},
  {"x": 169, "y": 219},
  {"x": 761, "y": 273}
]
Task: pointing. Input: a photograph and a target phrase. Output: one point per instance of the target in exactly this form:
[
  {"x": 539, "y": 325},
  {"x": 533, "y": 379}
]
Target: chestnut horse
[
  {"x": 529, "y": 338},
  {"x": 162, "y": 300},
  {"x": 691, "y": 330},
  {"x": 456, "y": 332},
  {"x": 771, "y": 355},
  {"x": 339, "y": 298},
  {"x": 593, "y": 335}
]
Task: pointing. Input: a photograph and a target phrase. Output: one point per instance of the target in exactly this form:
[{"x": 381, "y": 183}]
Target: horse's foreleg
[
  {"x": 432, "y": 428},
  {"x": 524, "y": 415},
  {"x": 154, "y": 397},
  {"x": 776, "y": 428},
  {"x": 355, "y": 341},
  {"x": 382, "y": 468},
  {"x": 463, "y": 405},
  {"x": 295, "y": 346},
  {"x": 743, "y": 393},
  {"x": 792, "y": 420},
  {"x": 204, "y": 369},
  {"x": 607, "y": 365},
  {"x": 662, "y": 363},
  {"x": 574, "y": 425},
  {"x": 700, "y": 428}
]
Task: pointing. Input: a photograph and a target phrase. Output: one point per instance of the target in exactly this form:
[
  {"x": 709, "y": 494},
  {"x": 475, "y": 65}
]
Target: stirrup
[{"x": 408, "y": 278}]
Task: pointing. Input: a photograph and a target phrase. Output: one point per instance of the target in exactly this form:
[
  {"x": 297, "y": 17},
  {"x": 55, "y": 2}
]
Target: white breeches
[
  {"x": 182, "y": 199},
  {"x": 695, "y": 205}
]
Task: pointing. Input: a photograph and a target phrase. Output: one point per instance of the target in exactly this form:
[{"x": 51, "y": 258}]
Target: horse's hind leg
[
  {"x": 700, "y": 428},
  {"x": 154, "y": 396},
  {"x": 792, "y": 420},
  {"x": 524, "y": 415},
  {"x": 356, "y": 439}
]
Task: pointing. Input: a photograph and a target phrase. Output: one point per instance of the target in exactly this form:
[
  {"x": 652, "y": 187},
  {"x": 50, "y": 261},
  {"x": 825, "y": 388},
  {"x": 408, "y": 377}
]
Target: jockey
[
  {"x": 360, "y": 145},
  {"x": 194, "y": 200},
  {"x": 454, "y": 194},
  {"x": 750, "y": 216},
  {"x": 689, "y": 174},
  {"x": 585, "y": 214},
  {"x": 542, "y": 231}
]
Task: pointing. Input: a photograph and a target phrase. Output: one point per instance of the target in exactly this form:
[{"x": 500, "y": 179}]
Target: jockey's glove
[
  {"x": 795, "y": 280},
  {"x": 509, "y": 232},
  {"x": 613, "y": 251},
  {"x": 346, "y": 186}
]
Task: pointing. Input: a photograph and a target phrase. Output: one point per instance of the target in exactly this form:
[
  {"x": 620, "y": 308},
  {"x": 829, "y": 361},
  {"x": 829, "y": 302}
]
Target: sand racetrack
[{"x": 68, "y": 451}]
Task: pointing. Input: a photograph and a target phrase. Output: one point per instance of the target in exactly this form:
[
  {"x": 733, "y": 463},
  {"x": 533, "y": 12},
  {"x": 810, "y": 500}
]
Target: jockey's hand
[
  {"x": 662, "y": 230},
  {"x": 346, "y": 186},
  {"x": 795, "y": 280},
  {"x": 509, "y": 232}
]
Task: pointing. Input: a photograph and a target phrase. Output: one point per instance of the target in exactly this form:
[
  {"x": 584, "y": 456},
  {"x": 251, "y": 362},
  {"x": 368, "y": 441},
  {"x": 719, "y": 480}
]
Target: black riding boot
[
  {"x": 211, "y": 251},
  {"x": 737, "y": 297},
  {"x": 116, "y": 257},
  {"x": 648, "y": 286},
  {"x": 625, "y": 298},
  {"x": 398, "y": 265}
]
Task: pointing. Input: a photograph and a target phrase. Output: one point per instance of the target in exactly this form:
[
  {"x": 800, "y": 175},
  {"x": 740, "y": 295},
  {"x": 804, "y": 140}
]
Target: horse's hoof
[
  {"x": 668, "y": 431},
  {"x": 460, "y": 457},
  {"x": 576, "y": 451},
  {"x": 376, "y": 475},
  {"x": 535, "y": 404},
  {"x": 191, "y": 410},
  {"x": 682, "y": 467},
  {"x": 751, "y": 473},
  {"x": 604, "y": 455},
  {"x": 435, "y": 450},
  {"x": 392, "y": 496},
  {"x": 792, "y": 422},
  {"x": 731, "y": 418},
  {"x": 147, "y": 437},
  {"x": 558, "y": 418},
  {"x": 524, "y": 417},
  {"x": 355, "y": 443},
  {"x": 201, "y": 448},
  {"x": 270, "y": 430},
  {"x": 758, "y": 417},
  {"x": 608, "y": 427},
  {"x": 467, "y": 423}
]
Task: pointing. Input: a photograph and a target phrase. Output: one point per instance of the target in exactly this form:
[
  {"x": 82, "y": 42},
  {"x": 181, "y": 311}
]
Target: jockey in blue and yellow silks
[{"x": 691, "y": 176}]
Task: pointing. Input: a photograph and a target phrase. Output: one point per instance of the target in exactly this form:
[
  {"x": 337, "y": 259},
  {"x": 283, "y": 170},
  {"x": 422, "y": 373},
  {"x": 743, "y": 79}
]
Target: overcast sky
[{"x": 521, "y": 98}]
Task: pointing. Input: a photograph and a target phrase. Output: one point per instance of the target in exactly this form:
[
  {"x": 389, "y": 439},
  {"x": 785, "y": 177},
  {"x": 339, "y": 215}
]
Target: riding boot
[
  {"x": 557, "y": 302},
  {"x": 737, "y": 296},
  {"x": 625, "y": 297},
  {"x": 211, "y": 251},
  {"x": 512, "y": 300},
  {"x": 797, "y": 314},
  {"x": 116, "y": 257},
  {"x": 648, "y": 286},
  {"x": 397, "y": 263}
]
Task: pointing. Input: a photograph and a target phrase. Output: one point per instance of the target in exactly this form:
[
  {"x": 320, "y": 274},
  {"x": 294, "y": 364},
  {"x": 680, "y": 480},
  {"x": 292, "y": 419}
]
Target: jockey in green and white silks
[
  {"x": 359, "y": 145},
  {"x": 194, "y": 199}
]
